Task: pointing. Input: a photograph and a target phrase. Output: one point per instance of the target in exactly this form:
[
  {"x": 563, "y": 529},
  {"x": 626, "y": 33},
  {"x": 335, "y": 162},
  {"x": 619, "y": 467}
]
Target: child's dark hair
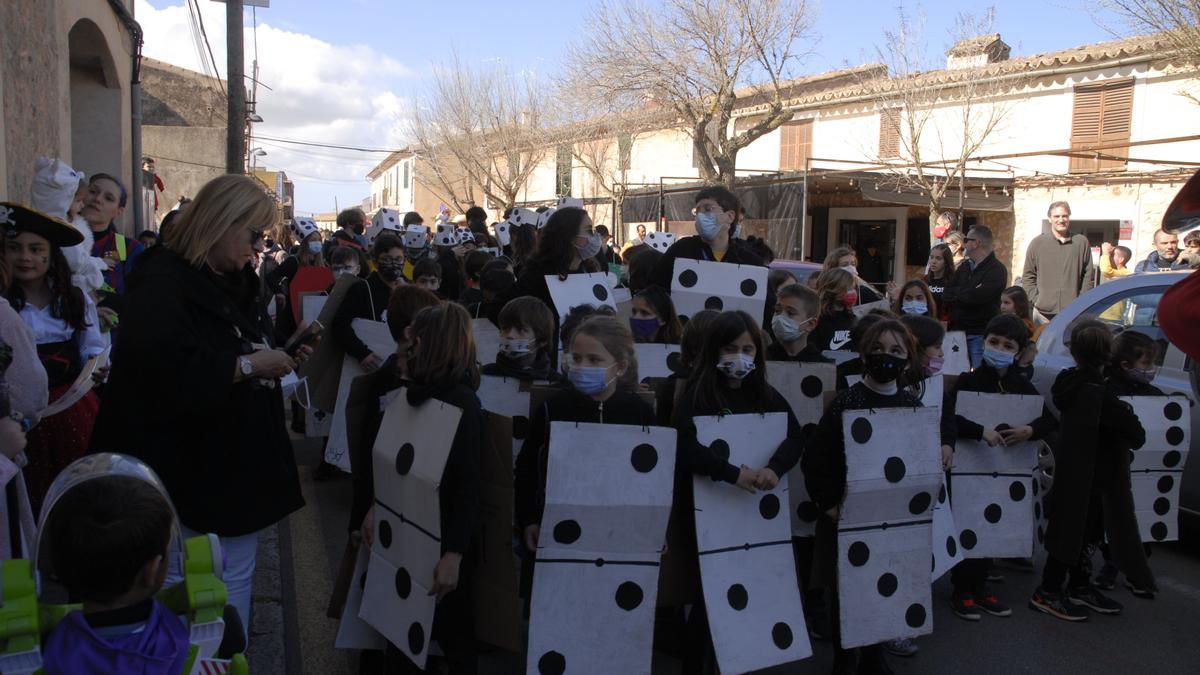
[
  {"x": 427, "y": 268},
  {"x": 779, "y": 277},
  {"x": 1091, "y": 344},
  {"x": 860, "y": 328},
  {"x": 761, "y": 248},
  {"x": 927, "y": 332},
  {"x": 147, "y": 233},
  {"x": 896, "y": 328},
  {"x": 496, "y": 280},
  {"x": 1130, "y": 346},
  {"x": 669, "y": 330},
  {"x": 384, "y": 243},
  {"x": 474, "y": 262},
  {"x": 1008, "y": 326},
  {"x": 692, "y": 340},
  {"x": 575, "y": 317},
  {"x": 446, "y": 347},
  {"x": 529, "y": 313},
  {"x": 641, "y": 261},
  {"x": 403, "y": 305},
  {"x": 708, "y": 383},
  {"x": 1020, "y": 301},
  {"x": 103, "y": 531},
  {"x": 344, "y": 255}
]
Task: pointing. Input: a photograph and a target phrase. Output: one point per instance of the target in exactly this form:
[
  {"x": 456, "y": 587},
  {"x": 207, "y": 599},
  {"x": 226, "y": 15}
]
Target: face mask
[
  {"x": 291, "y": 384},
  {"x": 339, "y": 272},
  {"x": 997, "y": 359},
  {"x": 1142, "y": 376},
  {"x": 737, "y": 366},
  {"x": 417, "y": 254},
  {"x": 591, "y": 248},
  {"x": 850, "y": 298},
  {"x": 314, "y": 247},
  {"x": 707, "y": 226},
  {"x": 884, "y": 368},
  {"x": 914, "y": 307},
  {"x": 935, "y": 365},
  {"x": 391, "y": 271},
  {"x": 643, "y": 328},
  {"x": 589, "y": 381},
  {"x": 851, "y": 269},
  {"x": 786, "y": 329},
  {"x": 516, "y": 347}
]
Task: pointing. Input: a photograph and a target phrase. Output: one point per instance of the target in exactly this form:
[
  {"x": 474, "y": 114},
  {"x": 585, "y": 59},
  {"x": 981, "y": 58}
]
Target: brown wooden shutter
[
  {"x": 1102, "y": 113},
  {"x": 889, "y": 133},
  {"x": 795, "y": 145}
]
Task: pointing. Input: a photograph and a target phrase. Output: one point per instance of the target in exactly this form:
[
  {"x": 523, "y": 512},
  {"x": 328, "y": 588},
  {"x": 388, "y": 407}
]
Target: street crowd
[{"x": 206, "y": 323}]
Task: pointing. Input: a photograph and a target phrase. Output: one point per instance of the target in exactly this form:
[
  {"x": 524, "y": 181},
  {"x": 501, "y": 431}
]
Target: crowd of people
[{"x": 206, "y": 317}]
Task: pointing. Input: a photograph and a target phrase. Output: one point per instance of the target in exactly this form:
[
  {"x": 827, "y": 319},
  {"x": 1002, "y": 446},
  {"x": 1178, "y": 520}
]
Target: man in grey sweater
[{"x": 1058, "y": 265}]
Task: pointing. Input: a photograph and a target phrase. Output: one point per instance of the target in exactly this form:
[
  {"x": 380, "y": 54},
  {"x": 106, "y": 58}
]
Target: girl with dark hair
[
  {"x": 690, "y": 343},
  {"x": 566, "y": 245},
  {"x": 641, "y": 261},
  {"x": 728, "y": 378},
  {"x": 1098, "y": 431},
  {"x": 602, "y": 389},
  {"x": 938, "y": 275},
  {"x": 889, "y": 351},
  {"x": 837, "y": 290},
  {"x": 915, "y": 299},
  {"x": 104, "y": 203},
  {"x": 526, "y": 342},
  {"x": 522, "y": 245},
  {"x": 653, "y": 317},
  {"x": 66, "y": 330}
]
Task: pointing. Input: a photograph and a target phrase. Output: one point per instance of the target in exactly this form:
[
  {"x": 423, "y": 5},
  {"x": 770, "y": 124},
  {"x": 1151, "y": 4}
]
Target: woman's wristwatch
[{"x": 245, "y": 366}]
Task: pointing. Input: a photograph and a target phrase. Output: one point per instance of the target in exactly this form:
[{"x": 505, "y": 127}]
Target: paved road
[{"x": 1160, "y": 636}]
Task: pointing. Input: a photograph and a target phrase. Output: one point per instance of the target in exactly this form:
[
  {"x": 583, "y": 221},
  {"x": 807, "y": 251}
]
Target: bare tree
[
  {"x": 932, "y": 124},
  {"x": 479, "y": 130},
  {"x": 1177, "y": 20},
  {"x": 703, "y": 60}
]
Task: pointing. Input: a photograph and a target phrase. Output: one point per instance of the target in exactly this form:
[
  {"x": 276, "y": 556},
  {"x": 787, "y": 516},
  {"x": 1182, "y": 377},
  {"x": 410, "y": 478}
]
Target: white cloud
[{"x": 323, "y": 92}]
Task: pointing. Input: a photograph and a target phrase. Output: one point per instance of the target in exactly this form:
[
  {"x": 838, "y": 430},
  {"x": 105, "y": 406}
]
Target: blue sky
[{"x": 343, "y": 71}]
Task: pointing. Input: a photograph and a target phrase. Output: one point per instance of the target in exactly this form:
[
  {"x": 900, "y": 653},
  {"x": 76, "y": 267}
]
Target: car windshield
[{"x": 1135, "y": 309}]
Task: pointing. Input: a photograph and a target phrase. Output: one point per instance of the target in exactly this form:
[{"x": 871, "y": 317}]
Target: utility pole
[{"x": 235, "y": 150}]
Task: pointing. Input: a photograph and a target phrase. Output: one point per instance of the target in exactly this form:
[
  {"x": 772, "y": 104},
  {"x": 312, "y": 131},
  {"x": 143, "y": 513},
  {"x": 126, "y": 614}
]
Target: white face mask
[
  {"x": 851, "y": 269},
  {"x": 516, "y": 347},
  {"x": 737, "y": 366},
  {"x": 914, "y": 307}
]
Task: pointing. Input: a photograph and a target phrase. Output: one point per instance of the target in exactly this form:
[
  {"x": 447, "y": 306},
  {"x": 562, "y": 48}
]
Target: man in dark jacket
[
  {"x": 1164, "y": 257},
  {"x": 717, "y": 213},
  {"x": 974, "y": 292}
]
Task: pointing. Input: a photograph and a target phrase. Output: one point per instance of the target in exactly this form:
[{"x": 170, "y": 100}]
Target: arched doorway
[{"x": 96, "y": 120}]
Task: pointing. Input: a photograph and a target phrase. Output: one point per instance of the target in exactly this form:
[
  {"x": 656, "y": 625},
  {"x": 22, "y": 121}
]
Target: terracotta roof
[{"x": 972, "y": 46}]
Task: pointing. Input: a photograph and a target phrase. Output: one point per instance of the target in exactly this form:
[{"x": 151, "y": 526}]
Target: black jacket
[
  {"x": 833, "y": 332},
  {"x": 220, "y": 447},
  {"x": 987, "y": 380},
  {"x": 695, "y": 458},
  {"x": 565, "y": 405},
  {"x": 452, "y": 276},
  {"x": 824, "y": 461},
  {"x": 695, "y": 248},
  {"x": 364, "y": 300},
  {"x": 810, "y": 354},
  {"x": 974, "y": 295}
]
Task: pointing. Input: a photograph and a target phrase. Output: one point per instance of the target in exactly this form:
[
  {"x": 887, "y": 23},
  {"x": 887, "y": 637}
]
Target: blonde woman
[{"x": 194, "y": 390}]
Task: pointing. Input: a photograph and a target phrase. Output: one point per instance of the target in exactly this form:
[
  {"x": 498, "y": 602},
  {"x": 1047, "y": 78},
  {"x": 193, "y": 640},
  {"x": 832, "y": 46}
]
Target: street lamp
[
  {"x": 254, "y": 155},
  {"x": 255, "y": 118}
]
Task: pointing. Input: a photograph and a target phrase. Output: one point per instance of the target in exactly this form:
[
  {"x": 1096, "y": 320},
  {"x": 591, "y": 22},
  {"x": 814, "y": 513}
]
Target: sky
[{"x": 343, "y": 72}]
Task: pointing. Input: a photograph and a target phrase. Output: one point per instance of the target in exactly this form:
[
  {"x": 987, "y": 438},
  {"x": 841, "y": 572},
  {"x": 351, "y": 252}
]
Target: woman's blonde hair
[
  {"x": 835, "y": 256},
  {"x": 223, "y": 204},
  {"x": 617, "y": 339},
  {"x": 831, "y": 286}
]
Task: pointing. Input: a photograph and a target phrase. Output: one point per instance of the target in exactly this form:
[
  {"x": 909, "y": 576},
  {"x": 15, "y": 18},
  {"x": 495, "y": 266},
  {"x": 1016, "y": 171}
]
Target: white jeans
[{"x": 240, "y": 556}]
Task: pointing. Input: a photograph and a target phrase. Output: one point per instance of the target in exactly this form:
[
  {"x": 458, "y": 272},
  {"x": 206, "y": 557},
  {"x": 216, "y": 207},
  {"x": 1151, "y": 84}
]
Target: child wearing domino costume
[
  {"x": 526, "y": 334},
  {"x": 1130, "y": 372},
  {"x": 797, "y": 310},
  {"x": 690, "y": 344},
  {"x": 1094, "y": 423},
  {"x": 1005, "y": 337},
  {"x": 729, "y": 378},
  {"x": 889, "y": 351}
]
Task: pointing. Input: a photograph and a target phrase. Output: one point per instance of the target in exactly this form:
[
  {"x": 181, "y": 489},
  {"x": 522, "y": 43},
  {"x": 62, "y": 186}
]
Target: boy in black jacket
[
  {"x": 974, "y": 292},
  {"x": 1004, "y": 338}
]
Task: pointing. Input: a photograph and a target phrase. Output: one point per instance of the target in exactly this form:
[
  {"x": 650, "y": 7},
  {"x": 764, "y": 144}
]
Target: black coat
[
  {"x": 452, "y": 275},
  {"x": 220, "y": 447},
  {"x": 695, "y": 248},
  {"x": 974, "y": 295}
]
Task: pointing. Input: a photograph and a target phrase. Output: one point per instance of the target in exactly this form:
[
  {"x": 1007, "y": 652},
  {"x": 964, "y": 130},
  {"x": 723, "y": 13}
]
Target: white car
[{"x": 1130, "y": 303}]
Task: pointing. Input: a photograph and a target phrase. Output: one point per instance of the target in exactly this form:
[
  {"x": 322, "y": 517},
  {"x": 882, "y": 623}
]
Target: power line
[
  {"x": 326, "y": 145},
  {"x": 258, "y": 140},
  {"x": 216, "y": 71}
]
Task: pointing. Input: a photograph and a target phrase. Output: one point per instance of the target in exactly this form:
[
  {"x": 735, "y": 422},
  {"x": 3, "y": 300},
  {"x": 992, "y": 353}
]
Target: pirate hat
[{"x": 17, "y": 218}]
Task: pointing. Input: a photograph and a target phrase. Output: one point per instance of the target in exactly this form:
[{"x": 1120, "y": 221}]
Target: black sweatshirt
[
  {"x": 974, "y": 295},
  {"x": 565, "y": 405},
  {"x": 833, "y": 332},
  {"x": 824, "y": 462},
  {"x": 810, "y": 354},
  {"x": 365, "y": 300},
  {"x": 987, "y": 380},
  {"x": 700, "y": 459}
]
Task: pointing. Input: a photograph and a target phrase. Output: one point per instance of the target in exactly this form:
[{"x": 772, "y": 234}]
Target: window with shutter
[
  {"x": 795, "y": 145},
  {"x": 889, "y": 133},
  {"x": 1103, "y": 114}
]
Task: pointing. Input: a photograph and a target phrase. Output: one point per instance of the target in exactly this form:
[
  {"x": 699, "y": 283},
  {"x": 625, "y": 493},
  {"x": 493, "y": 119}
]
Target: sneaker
[
  {"x": 963, "y": 605},
  {"x": 1057, "y": 605},
  {"x": 1106, "y": 580},
  {"x": 991, "y": 605},
  {"x": 1138, "y": 591},
  {"x": 901, "y": 647},
  {"x": 1093, "y": 599}
]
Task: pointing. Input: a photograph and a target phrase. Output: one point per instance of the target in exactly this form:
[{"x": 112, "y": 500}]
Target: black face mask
[{"x": 884, "y": 368}]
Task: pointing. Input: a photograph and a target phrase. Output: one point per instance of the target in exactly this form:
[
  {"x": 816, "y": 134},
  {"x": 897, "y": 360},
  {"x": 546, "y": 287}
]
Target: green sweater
[{"x": 1055, "y": 272}]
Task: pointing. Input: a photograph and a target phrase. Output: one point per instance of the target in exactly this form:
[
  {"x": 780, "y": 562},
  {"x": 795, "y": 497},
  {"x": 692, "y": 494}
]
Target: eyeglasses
[
  {"x": 255, "y": 236},
  {"x": 390, "y": 261},
  {"x": 707, "y": 208}
]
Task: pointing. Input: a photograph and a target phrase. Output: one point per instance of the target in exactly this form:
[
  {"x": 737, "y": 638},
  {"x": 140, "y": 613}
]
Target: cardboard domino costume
[
  {"x": 698, "y": 285},
  {"x": 747, "y": 568},
  {"x": 991, "y": 488},
  {"x": 893, "y": 474},
  {"x": 807, "y": 387},
  {"x": 659, "y": 241},
  {"x": 591, "y": 288},
  {"x": 657, "y": 360},
  {"x": 378, "y": 337},
  {"x": 1156, "y": 470},
  {"x": 409, "y": 459},
  {"x": 608, "y": 497}
]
